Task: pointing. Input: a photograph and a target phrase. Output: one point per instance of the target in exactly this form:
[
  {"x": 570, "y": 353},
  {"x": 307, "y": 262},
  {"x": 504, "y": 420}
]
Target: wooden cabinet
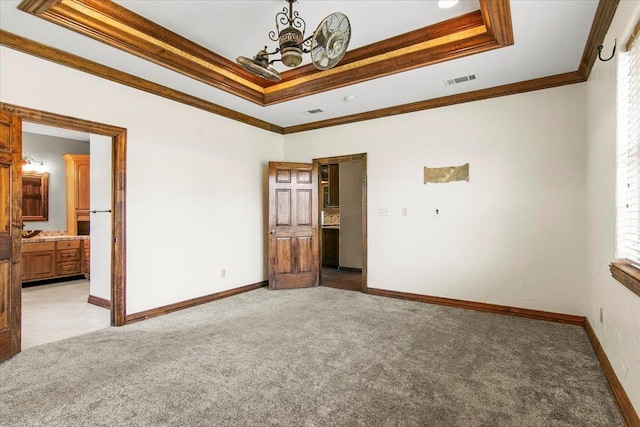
[
  {"x": 68, "y": 258},
  {"x": 330, "y": 185},
  {"x": 78, "y": 189},
  {"x": 38, "y": 261},
  {"x": 330, "y": 247},
  {"x": 35, "y": 196},
  {"x": 334, "y": 185},
  {"x": 49, "y": 260},
  {"x": 86, "y": 254}
]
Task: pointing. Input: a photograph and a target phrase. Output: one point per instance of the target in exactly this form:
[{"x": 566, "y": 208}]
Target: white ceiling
[
  {"x": 550, "y": 37},
  {"x": 54, "y": 131}
]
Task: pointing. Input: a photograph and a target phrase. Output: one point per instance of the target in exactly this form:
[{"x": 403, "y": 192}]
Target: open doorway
[
  {"x": 67, "y": 252},
  {"x": 343, "y": 221},
  {"x": 117, "y": 239}
]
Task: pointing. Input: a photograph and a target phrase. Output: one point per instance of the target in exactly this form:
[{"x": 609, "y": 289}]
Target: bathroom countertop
[
  {"x": 331, "y": 226},
  {"x": 53, "y": 238}
]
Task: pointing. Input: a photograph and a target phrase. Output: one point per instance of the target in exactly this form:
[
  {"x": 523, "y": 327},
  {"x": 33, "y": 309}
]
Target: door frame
[
  {"x": 118, "y": 193},
  {"x": 338, "y": 159}
]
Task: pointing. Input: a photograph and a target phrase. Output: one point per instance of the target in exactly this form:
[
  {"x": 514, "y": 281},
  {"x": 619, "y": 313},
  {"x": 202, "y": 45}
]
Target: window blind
[{"x": 628, "y": 156}]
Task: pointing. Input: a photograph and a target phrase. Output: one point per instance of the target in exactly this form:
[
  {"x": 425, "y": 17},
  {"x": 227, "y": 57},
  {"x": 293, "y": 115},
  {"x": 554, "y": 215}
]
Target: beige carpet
[{"x": 313, "y": 357}]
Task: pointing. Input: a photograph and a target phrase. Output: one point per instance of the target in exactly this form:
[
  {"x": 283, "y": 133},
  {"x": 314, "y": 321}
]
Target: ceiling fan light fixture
[
  {"x": 291, "y": 56},
  {"x": 259, "y": 66},
  {"x": 327, "y": 44}
]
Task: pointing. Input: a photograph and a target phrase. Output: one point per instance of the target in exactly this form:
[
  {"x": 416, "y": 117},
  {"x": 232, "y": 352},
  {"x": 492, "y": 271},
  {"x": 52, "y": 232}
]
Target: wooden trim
[
  {"x": 626, "y": 274},
  {"x": 347, "y": 158},
  {"x": 622, "y": 400},
  {"x": 601, "y": 23},
  {"x": 480, "y": 306},
  {"x": 100, "y": 302},
  {"x": 494, "y": 92},
  {"x": 119, "y": 174},
  {"x": 154, "y": 312},
  {"x": 497, "y": 15},
  {"x": 119, "y": 225},
  {"x": 48, "y": 53},
  {"x": 633, "y": 37},
  {"x": 121, "y": 28},
  {"x": 57, "y": 120},
  {"x": 355, "y": 270},
  {"x": 455, "y": 38}
]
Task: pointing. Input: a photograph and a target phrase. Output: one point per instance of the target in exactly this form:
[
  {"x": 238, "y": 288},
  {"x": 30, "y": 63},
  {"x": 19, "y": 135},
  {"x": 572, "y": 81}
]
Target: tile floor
[{"x": 56, "y": 311}]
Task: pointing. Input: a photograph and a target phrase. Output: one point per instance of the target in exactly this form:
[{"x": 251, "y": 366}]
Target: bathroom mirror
[{"x": 35, "y": 196}]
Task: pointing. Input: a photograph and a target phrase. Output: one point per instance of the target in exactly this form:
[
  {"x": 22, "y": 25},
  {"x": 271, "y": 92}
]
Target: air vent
[
  {"x": 314, "y": 111},
  {"x": 459, "y": 80}
]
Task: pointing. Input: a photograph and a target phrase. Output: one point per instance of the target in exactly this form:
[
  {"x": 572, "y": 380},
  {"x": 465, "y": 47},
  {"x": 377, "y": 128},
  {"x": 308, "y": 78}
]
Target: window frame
[{"x": 623, "y": 270}]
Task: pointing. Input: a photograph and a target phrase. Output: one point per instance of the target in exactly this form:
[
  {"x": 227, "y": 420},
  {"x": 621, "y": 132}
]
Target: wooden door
[
  {"x": 293, "y": 225},
  {"x": 10, "y": 233}
]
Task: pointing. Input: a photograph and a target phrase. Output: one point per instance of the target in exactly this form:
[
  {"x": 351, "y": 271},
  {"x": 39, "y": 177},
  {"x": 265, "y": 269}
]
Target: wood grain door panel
[
  {"x": 10, "y": 233},
  {"x": 293, "y": 225}
]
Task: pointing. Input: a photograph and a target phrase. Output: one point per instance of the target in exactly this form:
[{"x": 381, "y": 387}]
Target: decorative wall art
[{"x": 446, "y": 174}]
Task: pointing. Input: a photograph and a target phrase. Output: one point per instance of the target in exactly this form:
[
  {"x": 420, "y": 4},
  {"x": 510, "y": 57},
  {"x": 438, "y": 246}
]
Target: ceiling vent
[
  {"x": 460, "y": 80},
  {"x": 314, "y": 111}
]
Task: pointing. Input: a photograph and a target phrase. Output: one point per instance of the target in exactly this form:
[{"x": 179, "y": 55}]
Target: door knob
[{"x": 272, "y": 232}]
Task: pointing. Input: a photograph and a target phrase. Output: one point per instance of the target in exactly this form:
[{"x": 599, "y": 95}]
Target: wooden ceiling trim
[
  {"x": 601, "y": 23},
  {"x": 119, "y": 27},
  {"x": 387, "y": 66},
  {"x": 452, "y": 26},
  {"x": 39, "y": 50},
  {"x": 375, "y": 59},
  {"x": 494, "y": 92},
  {"x": 497, "y": 15},
  {"x": 116, "y": 26},
  {"x": 634, "y": 35}
]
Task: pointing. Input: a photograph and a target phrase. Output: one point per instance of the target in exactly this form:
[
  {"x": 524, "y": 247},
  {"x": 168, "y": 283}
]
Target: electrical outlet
[
  {"x": 223, "y": 273},
  {"x": 601, "y": 317},
  {"x": 436, "y": 212},
  {"x": 405, "y": 212}
]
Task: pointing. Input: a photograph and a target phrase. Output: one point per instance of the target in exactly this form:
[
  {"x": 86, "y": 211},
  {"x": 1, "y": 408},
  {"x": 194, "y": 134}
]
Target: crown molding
[
  {"x": 49, "y": 53},
  {"x": 602, "y": 21},
  {"x": 105, "y": 21}
]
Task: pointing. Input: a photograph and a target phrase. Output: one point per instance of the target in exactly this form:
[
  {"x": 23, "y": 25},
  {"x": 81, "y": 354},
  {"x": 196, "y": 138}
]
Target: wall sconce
[{"x": 29, "y": 162}]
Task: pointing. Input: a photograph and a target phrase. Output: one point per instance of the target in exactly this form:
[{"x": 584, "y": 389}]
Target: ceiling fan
[{"x": 327, "y": 45}]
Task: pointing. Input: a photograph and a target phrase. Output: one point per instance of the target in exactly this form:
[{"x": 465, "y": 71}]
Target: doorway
[
  {"x": 118, "y": 179},
  {"x": 343, "y": 221},
  {"x": 58, "y": 297}
]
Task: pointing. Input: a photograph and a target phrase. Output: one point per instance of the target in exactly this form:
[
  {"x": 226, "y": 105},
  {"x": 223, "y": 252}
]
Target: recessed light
[
  {"x": 446, "y": 4},
  {"x": 349, "y": 98}
]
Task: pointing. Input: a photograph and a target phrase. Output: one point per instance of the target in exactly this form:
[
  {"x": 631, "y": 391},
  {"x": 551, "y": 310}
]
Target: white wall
[
  {"x": 351, "y": 214},
  {"x": 101, "y": 222},
  {"x": 619, "y": 333},
  {"x": 195, "y": 181},
  {"x": 50, "y": 149},
  {"x": 513, "y": 235}
]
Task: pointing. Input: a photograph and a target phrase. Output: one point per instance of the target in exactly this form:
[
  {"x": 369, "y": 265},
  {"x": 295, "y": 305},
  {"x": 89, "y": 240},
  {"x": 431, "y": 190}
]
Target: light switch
[{"x": 383, "y": 212}]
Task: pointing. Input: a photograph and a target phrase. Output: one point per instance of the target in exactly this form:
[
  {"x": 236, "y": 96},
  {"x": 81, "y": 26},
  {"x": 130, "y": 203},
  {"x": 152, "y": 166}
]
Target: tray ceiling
[{"x": 404, "y": 55}]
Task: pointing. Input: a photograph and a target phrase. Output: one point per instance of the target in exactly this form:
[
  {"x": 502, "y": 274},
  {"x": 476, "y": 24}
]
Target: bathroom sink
[{"x": 27, "y": 234}]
